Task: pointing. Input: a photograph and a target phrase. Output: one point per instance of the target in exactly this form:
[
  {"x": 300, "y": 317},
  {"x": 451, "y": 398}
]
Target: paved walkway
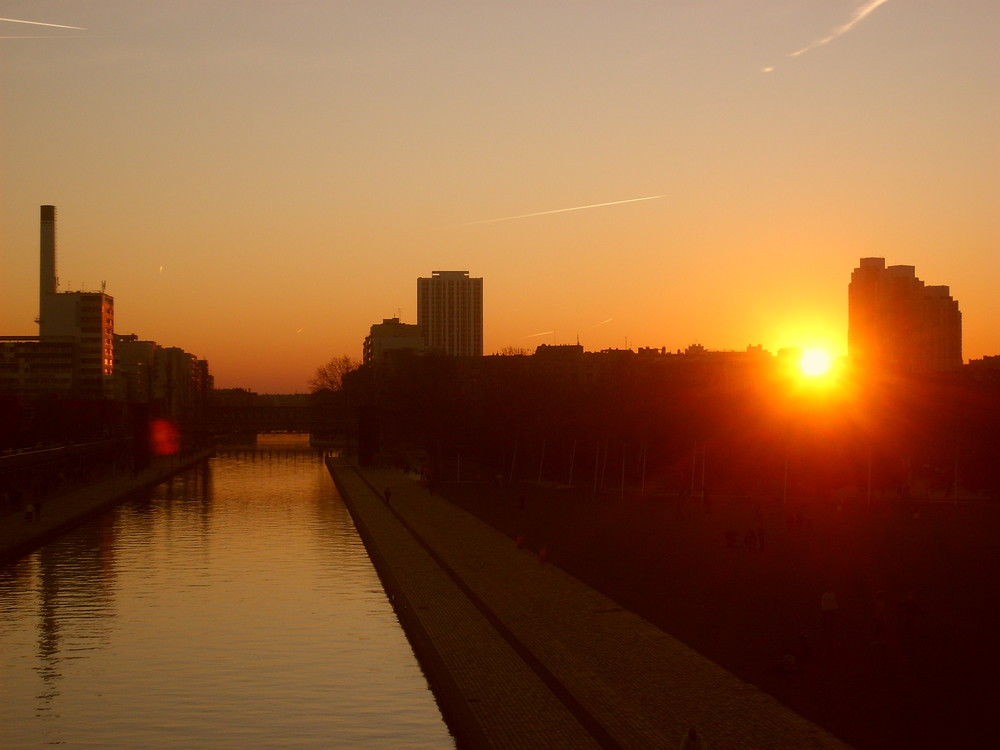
[
  {"x": 19, "y": 536},
  {"x": 523, "y": 655}
]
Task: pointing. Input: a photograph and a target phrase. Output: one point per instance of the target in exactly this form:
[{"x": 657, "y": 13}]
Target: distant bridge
[
  {"x": 262, "y": 413},
  {"x": 265, "y": 418}
]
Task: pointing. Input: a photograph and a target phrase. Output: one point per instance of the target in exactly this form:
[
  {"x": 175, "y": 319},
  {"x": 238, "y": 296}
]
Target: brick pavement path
[{"x": 534, "y": 658}]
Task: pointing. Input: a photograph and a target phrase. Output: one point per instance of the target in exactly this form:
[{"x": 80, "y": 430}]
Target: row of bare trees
[{"x": 754, "y": 431}]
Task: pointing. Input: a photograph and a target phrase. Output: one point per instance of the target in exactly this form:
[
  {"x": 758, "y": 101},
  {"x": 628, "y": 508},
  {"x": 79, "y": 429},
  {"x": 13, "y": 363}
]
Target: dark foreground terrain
[{"x": 910, "y": 659}]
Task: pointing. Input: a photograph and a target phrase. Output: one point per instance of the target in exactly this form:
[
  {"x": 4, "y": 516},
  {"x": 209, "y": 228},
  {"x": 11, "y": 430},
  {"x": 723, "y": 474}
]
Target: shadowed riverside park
[
  {"x": 888, "y": 672},
  {"x": 832, "y": 542}
]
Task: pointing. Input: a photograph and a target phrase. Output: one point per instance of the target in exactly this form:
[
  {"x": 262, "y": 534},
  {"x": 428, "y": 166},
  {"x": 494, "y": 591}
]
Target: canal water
[{"x": 231, "y": 607}]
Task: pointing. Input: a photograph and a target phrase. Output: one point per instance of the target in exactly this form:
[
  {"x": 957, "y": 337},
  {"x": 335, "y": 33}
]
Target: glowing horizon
[{"x": 261, "y": 205}]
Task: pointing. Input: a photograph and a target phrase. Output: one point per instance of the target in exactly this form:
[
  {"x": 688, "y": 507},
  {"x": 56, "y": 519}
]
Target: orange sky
[{"x": 259, "y": 182}]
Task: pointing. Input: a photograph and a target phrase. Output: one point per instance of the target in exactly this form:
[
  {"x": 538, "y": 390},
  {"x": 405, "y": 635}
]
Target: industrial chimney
[{"x": 47, "y": 260}]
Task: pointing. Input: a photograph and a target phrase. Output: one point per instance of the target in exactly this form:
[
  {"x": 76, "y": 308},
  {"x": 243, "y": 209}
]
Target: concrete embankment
[
  {"x": 19, "y": 536},
  {"x": 520, "y": 654}
]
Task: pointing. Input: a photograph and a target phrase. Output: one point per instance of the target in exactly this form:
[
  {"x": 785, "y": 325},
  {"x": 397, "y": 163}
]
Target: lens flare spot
[{"x": 164, "y": 437}]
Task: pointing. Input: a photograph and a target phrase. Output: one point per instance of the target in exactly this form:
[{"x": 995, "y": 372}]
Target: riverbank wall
[
  {"x": 521, "y": 654},
  {"x": 20, "y": 536}
]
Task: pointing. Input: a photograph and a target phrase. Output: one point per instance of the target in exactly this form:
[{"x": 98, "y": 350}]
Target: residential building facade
[
  {"x": 450, "y": 313},
  {"x": 388, "y": 335},
  {"x": 899, "y": 324}
]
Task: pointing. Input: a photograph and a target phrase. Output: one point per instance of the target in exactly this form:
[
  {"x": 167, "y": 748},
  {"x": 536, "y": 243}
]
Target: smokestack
[{"x": 47, "y": 260}]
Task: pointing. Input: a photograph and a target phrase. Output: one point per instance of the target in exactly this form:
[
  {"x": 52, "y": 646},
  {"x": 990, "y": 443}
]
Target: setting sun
[{"x": 815, "y": 362}]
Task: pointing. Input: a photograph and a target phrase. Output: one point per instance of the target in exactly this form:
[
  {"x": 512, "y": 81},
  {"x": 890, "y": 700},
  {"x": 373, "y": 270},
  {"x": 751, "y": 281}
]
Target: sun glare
[{"x": 815, "y": 362}]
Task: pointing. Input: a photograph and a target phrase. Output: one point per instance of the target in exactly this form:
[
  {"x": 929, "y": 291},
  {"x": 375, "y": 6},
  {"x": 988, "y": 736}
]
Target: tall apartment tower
[
  {"x": 450, "y": 313},
  {"x": 85, "y": 319},
  {"x": 897, "y": 323}
]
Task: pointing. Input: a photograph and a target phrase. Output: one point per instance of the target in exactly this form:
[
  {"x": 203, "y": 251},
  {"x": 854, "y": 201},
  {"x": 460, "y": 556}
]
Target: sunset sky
[{"x": 260, "y": 182}]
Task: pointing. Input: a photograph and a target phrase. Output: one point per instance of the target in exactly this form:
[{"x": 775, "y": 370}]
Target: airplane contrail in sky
[
  {"x": 602, "y": 322},
  {"x": 860, "y": 13},
  {"x": 39, "y": 23},
  {"x": 543, "y": 333},
  {"x": 561, "y": 210}
]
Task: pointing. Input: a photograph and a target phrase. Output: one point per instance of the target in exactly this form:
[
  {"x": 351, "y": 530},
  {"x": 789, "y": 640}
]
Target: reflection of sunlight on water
[
  {"x": 235, "y": 606},
  {"x": 282, "y": 440}
]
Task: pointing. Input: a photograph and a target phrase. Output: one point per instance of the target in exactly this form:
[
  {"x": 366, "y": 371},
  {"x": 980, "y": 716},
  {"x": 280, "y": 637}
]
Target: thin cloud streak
[
  {"x": 860, "y": 14},
  {"x": 561, "y": 210},
  {"x": 39, "y": 23}
]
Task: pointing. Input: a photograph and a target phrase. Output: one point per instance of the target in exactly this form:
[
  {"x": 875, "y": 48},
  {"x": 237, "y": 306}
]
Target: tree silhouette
[{"x": 330, "y": 377}]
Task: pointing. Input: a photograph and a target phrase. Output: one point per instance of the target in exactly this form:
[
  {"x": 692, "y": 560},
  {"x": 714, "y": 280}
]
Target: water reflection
[{"x": 233, "y": 606}]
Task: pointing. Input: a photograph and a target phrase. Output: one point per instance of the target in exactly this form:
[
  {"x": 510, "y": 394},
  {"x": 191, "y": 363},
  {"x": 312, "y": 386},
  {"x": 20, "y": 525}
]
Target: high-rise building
[
  {"x": 450, "y": 313},
  {"x": 897, "y": 323},
  {"x": 82, "y": 320}
]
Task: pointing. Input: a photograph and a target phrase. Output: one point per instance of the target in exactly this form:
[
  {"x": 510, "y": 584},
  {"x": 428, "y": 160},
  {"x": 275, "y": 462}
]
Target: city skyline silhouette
[
  {"x": 259, "y": 185},
  {"x": 898, "y": 325}
]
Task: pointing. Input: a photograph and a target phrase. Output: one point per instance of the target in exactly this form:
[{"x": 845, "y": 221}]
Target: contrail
[
  {"x": 860, "y": 13},
  {"x": 602, "y": 322},
  {"x": 543, "y": 333},
  {"x": 39, "y": 23},
  {"x": 561, "y": 210}
]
